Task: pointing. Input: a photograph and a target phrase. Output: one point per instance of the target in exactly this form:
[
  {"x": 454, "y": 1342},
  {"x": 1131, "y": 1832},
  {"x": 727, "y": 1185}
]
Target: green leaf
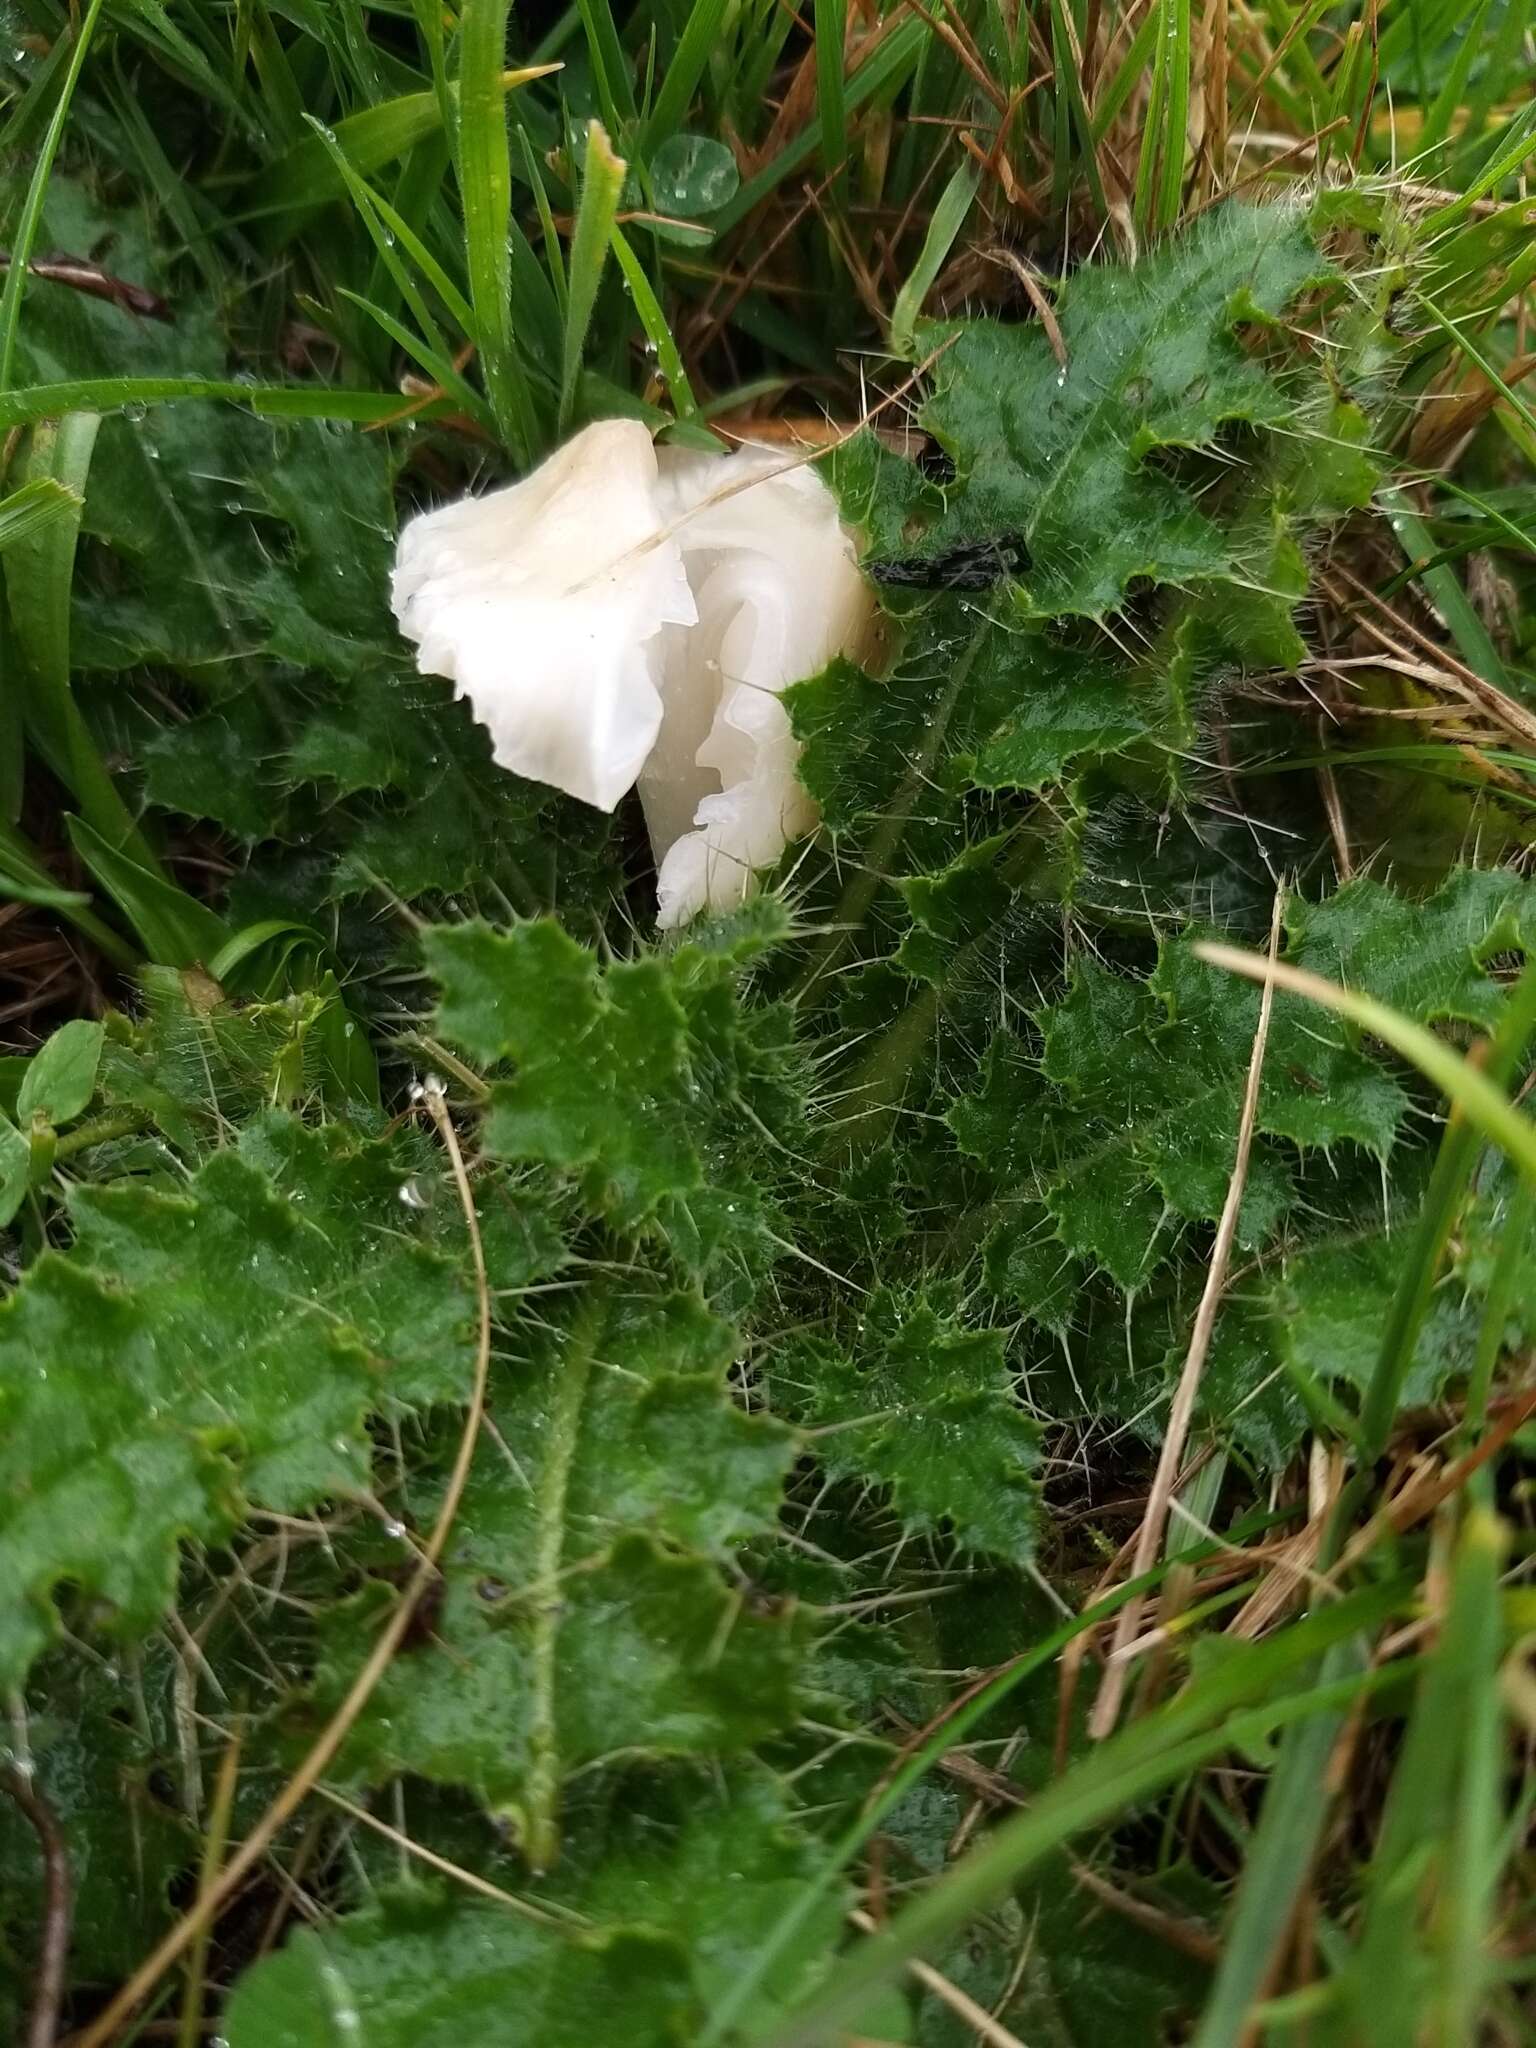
[
  {"x": 485, "y": 186},
  {"x": 1057, "y": 455},
  {"x": 692, "y": 175},
  {"x": 584, "y": 1613},
  {"x": 424, "y": 1970},
  {"x": 1138, "y": 1122},
  {"x": 197, "y": 1346},
  {"x": 923, "y": 1404},
  {"x": 15, "y": 1169},
  {"x": 648, "y": 1082},
  {"x": 61, "y": 1077}
]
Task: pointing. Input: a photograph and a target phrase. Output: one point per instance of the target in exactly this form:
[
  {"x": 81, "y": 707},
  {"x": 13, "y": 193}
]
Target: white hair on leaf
[{"x": 627, "y": 613}]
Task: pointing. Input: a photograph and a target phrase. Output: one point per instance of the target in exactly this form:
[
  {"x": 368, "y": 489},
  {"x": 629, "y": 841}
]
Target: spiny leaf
[
  {"x": 1057, "y": 454},
  {"x": 194, "y": 1347},
  {"x": 922, "y": 1403},
  {"x": 428, "y": 1970},
  {"x": 584, "y": 1614},
  {"x": 648, "y": 1082}
]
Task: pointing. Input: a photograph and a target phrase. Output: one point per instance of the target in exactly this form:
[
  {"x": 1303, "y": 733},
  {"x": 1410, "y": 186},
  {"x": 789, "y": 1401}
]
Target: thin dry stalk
[
  {"x": 1106, "y": 1706},
  {"x": 332, "y": 1736},
  {"x": 58, "y": 1910},
  {"x": 976, "y": 2017}
]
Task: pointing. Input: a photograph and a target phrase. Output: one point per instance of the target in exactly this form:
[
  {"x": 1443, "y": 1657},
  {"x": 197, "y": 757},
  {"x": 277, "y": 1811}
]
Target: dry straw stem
[
  {"x": 307, "y": 1776},
  {"x": 1106, "y": 1706},
  {"x": 58, "y": 1908},
  {"x": 976, "y": 2017}
]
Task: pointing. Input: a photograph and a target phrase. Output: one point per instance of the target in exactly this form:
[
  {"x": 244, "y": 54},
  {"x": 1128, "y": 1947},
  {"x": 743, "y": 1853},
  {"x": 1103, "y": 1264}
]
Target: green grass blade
[
  {"x": 1478, "y": 1099},
  {"x": 1474, "y": 355},
  {"x": 1279, "y": 1856},
  {"x": 437, "y": 364},
  {"x": 1443, "y": 588},
  {"x": 944, "y": 226},
  {"x": 831, "y": 34},
  {"x": 309, "y": 175},
  {"x": 615, "y": 87},
  {"x": 883, "y": 70},
  {"x": 24, "y": 879},
  {"x": 176, "y": 929},
  {"x": 554, "y": 254},
  {"x": 485, "y": 186},
  {"x": 1447, "y": 102},
  {"x": 1506, "y": 159},
  {"x": 669, "y": 361},
  {"x": 37, "y": 506},
  {"x": 39, "y": 575},
  {"x": 1453, "y": 1733},
  {"x": 1472, "y": 1646},
  {"x": 1176, "y": 44},
  {"x": 915, "y": 1767},
  {"x": 602, "y": 185},
  {"x": 1213, "y": 1715},
  {"x": 270, "y": 401},
  {"x": 32, "y": 207},
  {"x": 700, "y": 36}
]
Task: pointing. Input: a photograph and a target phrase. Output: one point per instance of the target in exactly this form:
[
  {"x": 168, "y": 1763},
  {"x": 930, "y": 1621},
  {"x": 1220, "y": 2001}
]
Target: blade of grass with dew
[
  {"x": 1211, "y": 1716},
  {"x": 271, "y": 401},
  {"x": 308, "y": 174},
  {"x": 602, "y": 186},
  {"x": 944, "y": 226},
  {"x": 434, "y": 361},
  {"x": 1128, "y": 72},
  {"x": 485, "y": 190},
  {"x": 1154, "y": 131},
  {"x": 32, "y": 207},
  {"x": 669, "y": 361},
  {"x": 615, "y": 87},
  {"x": 1176, "y": 56},
  {"x": 394, "y": 237}
]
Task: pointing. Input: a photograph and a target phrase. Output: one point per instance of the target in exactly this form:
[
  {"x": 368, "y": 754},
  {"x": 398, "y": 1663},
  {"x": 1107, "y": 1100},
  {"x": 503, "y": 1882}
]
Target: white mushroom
[{"x": 626, "y": 613}]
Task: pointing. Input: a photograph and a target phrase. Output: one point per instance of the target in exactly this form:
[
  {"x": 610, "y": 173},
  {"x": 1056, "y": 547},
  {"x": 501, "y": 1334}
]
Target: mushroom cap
[{"x": 543, "y": 604}]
